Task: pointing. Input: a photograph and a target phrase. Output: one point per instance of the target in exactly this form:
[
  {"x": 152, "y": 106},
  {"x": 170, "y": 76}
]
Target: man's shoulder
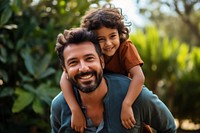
[
  {"x": 59, "y": 105},
  {"x": 115, "y": 76},
  {"x": 58, "y": 100}
]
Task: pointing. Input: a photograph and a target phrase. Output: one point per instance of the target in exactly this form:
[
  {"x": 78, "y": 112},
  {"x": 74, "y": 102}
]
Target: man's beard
[{"x": 91, "y": 85}]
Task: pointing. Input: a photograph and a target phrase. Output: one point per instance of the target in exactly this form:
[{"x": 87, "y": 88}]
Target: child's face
[{"x": 109, "y": 40}]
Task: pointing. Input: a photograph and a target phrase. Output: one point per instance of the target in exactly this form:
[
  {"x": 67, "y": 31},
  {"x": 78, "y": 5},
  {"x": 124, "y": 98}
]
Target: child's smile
[{"x": 109, "y": 40}]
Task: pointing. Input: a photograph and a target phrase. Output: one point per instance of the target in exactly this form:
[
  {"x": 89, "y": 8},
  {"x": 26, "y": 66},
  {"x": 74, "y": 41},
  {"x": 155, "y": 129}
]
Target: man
[{"x": 101, "y": 96}]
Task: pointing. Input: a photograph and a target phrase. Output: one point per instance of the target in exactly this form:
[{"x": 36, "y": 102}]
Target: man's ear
[
  {"x": 102, "y": 61},
  {"x": 64, "y": 69}
]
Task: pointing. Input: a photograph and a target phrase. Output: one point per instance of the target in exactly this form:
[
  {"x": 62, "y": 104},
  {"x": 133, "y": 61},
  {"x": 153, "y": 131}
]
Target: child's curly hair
[{"x": 109, "y": 17}]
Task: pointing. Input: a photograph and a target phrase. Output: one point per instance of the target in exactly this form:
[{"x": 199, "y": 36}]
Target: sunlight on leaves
[{"x": 23, "y": 100}]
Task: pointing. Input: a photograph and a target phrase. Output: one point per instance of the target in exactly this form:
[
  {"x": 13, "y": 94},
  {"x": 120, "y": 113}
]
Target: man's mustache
[{"x": 84, "y": 74}]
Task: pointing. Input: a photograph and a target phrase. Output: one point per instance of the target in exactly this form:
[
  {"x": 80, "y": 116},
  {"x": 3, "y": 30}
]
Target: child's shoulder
[{"x": 126, "y": 45}]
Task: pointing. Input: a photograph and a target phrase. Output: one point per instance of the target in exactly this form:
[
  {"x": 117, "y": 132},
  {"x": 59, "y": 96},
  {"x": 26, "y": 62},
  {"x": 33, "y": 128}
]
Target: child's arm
[
  {"x": 78, "y": 121},
  {"x": 134, "y": 90}
]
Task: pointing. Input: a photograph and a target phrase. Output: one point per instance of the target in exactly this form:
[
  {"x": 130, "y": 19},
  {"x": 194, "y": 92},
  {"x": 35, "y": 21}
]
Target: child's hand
[
  {"x": 127, "y": 116},
  {"x": 78, "y": 122}
]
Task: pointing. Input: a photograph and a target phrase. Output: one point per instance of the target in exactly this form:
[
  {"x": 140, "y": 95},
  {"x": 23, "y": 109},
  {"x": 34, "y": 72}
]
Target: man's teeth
[{"x": 86, "y": 76}]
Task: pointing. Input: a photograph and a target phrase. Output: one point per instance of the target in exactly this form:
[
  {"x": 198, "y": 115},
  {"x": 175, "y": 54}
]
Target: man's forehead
[
  {"x": 81, "y": 49},
  {"x": 82, "y": 45}
]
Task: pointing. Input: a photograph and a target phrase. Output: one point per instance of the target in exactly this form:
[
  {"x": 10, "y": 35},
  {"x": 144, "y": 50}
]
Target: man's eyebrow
[
  {"x": 88, "y": 55},
  {"x": 71, "y": 59},
  {"x": 74, "y": 58}
]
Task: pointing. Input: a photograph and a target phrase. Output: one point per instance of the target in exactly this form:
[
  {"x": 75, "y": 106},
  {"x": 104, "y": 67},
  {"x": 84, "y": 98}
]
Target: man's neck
[
  {"x": 95, "y": 96},
  {"x": 93, "y": 103}
]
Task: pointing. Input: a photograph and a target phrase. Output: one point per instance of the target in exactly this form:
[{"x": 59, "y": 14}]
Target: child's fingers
[
  {"x": 124, "y": 124},
  {"x": 133, "y": 120},
  {"x": 84, "y": 125},
  {"x": 128, "y": 124},
  {"x": 72, "y": 125},
  {"x": 79, "y": 129},
  {"x": 82, "y": 130}
]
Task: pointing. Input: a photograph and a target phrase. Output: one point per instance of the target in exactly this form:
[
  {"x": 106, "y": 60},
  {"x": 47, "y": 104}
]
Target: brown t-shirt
[{"x": 124, "y": 59}]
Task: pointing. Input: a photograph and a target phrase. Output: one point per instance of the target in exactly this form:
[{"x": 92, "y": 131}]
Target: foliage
[
  {"x": 175, "y": 18},
  {"x": 172, "y": 71},
  {"x": 188, "y": 90},
  {"x": 158, "y": 54},
  {"x": 29, "y": 70}
]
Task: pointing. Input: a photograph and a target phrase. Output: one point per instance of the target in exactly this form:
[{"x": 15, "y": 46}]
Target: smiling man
[
  {"x": 85, "y": 80},
  {"x": 99, "y": 95}
]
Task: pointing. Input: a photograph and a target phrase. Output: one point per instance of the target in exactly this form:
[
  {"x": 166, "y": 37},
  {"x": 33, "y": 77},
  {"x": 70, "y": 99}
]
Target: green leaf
[
  {"x": 3, "y": 4},
  {"x": 4, "y": 75},
  {"x": 25, "y": 78},
  {"x": 45, "y": 92},
  {"x": 43, "y": 64},
  {"x": 29, "y": 88},
  {"x": 16, "y": 5},
  {"x": 28, "y": 60},
  {"x": 3, "y": 55},
  {"x": 5, "y": 16},
  {"x": 46, "y": 73},
  {"x": 20, "y": 44},
  {"x": 37, "y": 106},
  {"x": 182, "y": 57},
  {"x": 7, "y": 91},
  {"x": 52, "y": 92},
  {"x": 23, "y": 100}
]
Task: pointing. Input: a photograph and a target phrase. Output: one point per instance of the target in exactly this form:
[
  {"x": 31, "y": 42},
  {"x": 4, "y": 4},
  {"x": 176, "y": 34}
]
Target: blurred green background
[{"x": 30, "y": 69}]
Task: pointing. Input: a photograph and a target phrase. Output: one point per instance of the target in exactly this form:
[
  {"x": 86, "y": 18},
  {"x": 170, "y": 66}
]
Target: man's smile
[{"x": 85, "y": 76}]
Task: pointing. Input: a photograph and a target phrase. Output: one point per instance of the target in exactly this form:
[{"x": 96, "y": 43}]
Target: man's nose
[{"x": 83, "y": 66}]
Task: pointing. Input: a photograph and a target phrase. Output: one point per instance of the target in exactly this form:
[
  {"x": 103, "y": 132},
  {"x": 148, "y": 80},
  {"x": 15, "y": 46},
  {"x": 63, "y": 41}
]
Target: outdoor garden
[{"x": 30, "y": 70}]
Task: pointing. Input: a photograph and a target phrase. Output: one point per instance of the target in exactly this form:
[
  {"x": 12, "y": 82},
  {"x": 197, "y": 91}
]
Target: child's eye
[
  {"x": 113, "y": 36},
  {"x": 100, "y": 40}
]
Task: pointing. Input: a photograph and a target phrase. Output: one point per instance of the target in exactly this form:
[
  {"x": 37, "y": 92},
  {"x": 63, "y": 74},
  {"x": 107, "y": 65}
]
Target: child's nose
[{"x": 108, "y": 42}]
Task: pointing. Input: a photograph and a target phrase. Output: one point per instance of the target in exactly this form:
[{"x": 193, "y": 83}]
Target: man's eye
[
  {"x": 90, "y": 58},
  {"x": 72, "y": 63}
]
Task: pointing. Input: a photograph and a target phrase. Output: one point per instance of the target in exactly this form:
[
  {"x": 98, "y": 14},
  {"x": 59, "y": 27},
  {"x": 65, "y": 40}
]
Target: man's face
[{"x": 83, "y": 66}]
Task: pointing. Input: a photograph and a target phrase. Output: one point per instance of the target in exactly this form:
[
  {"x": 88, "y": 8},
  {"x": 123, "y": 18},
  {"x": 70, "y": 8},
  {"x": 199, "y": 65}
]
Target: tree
[
  {"x": 188, "y": 89},
  {"x": 171, "y": 70},
  {"x": 29, "y": 68},
  {"x": 176, "y": 18},
  {"x": 159, "y": 55}
]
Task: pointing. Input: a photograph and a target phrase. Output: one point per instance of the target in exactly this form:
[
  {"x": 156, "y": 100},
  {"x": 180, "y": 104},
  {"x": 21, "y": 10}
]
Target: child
[{"x": 120, "y": 56}]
